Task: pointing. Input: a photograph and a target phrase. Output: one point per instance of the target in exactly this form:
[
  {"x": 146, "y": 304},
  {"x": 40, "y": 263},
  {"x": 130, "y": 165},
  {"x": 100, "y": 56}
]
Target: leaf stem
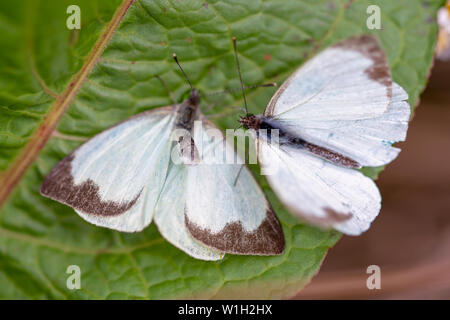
[{"x": 12, "y": 176}]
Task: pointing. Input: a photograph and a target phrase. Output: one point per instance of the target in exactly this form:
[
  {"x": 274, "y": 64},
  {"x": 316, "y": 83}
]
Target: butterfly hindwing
[
  {"x": 234, "y": 218},
  {"x": 169, "y": 216},
  {"x": 319, "y": 191}
]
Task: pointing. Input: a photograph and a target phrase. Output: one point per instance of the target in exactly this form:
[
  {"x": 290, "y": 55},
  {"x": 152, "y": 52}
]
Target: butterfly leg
[{"x": 242, "y": 166}]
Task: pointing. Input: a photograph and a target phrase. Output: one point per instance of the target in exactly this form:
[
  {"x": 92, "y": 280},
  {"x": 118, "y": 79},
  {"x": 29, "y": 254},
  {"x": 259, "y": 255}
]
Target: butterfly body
[
  {"x": 265, "y": 127},
  {"x": 188, "y": 111}
]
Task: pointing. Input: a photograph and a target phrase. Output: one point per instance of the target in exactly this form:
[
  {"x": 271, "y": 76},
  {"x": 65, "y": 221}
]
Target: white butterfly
[
  {"x": 123, "y": 178},
  {"x": 338, "y": 112}
]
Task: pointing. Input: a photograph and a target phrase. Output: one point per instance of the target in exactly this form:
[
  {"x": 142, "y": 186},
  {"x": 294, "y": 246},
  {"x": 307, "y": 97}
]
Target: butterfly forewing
[
  {"x": 169, "y": 216},
  {"x": 115, "y": 178},
  {"x": 367, "y": 141},
  {"x": 347, "y": 81}
]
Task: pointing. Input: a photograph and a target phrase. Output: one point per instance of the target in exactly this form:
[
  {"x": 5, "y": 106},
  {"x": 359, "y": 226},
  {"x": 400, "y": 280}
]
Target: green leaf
[{"x": 41, "y": 66}]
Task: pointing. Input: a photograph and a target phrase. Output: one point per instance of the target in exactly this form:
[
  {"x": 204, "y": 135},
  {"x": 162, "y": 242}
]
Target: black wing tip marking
[
  {"x": 370, "y": 47},
  {"x": 267, "y": 239},
  {"x": 59, "y": 185}
]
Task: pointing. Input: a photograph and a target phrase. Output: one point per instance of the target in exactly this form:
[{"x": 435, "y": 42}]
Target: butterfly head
[
  {"x": 194, "y": 97},
  {"x": 250, "y": 121}
]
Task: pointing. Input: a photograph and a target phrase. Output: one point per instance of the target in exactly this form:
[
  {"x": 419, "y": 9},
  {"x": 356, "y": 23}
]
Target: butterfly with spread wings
[
  {"x": 125, "y": 177},
  {"x": 339, "y": 112}
]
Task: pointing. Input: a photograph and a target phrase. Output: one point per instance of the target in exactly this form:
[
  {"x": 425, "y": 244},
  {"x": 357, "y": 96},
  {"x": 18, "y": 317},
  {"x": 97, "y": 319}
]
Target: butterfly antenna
[
  {"x": 184, "y": 73},
  {"x": 240, "y": 75},
  {"x": 164, "y": 84}
]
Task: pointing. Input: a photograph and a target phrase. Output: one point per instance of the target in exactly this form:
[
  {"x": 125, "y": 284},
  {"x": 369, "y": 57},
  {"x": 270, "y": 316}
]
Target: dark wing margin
[
  {"x": 85, "y": 197},
  {"x": 370, "y": 47},
  {"x": 367, "y": 45},
  {"x": 267, "y": 239},
  {"x": 59, "y": 185}
]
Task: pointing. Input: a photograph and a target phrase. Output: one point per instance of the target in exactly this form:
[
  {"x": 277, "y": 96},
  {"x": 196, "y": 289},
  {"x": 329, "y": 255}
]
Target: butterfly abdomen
[
  {"x": 332, "y": 156},
  {"x": 274, "y": 131},
  {"x": 188, "y": 112}
]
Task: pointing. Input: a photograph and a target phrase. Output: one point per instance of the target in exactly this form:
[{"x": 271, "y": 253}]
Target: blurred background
[{"x": 410, "y": 240}]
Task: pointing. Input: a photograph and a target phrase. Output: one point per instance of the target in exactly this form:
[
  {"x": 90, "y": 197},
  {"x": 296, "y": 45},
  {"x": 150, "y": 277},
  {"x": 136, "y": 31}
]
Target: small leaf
[{"x": 45, "y": 67}]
